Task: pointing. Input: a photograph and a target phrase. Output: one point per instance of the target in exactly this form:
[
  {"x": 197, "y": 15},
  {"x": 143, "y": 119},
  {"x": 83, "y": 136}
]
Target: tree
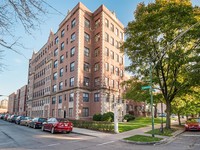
[
  {"x": 165, "y": 34},
  {"x": 25, "y": 12},
  {"x": 134, "y": 92}
]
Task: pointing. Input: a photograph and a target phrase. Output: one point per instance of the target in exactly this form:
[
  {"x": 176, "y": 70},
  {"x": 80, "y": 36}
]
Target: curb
[
  {"x": 83, "y": 134},
  {"x": 163, "y": 141}
]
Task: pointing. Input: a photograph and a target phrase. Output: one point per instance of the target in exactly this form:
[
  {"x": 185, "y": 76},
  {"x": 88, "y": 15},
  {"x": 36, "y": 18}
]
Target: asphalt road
[{"x": 17, "y": 137}]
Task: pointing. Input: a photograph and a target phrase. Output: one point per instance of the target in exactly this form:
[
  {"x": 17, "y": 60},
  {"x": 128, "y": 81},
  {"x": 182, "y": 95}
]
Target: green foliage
[
  {"x": 109, "y": 117},
  {"x": 94, "y": 125},
  {"x": 97, "y": 117},
  {"x": 143, "y": 138},
  {"x": 166, "y": 132},
  {"x": 167, "y": 34},
  {"x": 129, "y": 117}
]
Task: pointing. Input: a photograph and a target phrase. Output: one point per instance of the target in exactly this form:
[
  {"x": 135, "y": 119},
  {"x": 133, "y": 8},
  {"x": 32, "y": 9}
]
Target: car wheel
[
  {"x": 68, "y": 132},
  {"x": 52, "y": 130},
  {"x": 42, "y": 128}
]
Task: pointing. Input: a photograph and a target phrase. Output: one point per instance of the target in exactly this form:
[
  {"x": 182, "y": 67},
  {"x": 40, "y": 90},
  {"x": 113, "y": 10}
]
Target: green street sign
[{"x": 146, "y": 87}]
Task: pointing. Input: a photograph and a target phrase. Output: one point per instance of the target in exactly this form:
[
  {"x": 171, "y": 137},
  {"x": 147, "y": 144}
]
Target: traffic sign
[{"x": 146, "y": 87}]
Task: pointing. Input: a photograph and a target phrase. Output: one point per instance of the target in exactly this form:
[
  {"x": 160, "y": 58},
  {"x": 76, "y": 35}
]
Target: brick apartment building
[
  {"x": 17, "y": 101},
  {"x": 78, "y": 72}
]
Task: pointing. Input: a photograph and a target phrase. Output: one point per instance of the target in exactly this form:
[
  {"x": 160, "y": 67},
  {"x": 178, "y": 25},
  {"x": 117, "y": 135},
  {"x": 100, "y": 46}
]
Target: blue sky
[{"x": 16, "y": 70}]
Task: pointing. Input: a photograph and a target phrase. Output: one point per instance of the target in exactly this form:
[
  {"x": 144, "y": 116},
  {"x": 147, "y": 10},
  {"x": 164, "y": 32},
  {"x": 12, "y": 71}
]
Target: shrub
[
  {"x": 97, "y": 117},
  {"x": 129, "y": 117},
  {"x": 109, "y": 116}
]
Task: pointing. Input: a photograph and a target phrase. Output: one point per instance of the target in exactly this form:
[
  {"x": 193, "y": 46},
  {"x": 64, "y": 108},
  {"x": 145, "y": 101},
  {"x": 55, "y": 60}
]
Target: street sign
[{"x": 146, "y": 87}]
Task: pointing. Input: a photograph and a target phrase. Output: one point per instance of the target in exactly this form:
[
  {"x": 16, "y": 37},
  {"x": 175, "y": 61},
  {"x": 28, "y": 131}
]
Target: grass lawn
[
  {"x": 143, "y": 138},
  {"x": 166, "y": 132},
  {"x": 137, "y": 123}
]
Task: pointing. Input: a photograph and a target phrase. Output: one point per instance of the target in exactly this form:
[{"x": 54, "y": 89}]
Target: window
[
  {"x": 61, "y": 86},
  {"x": 54, "y": 88},
  {"x": 72, "y": 52},
  {"x": 97, "y": 23},
  {"x": 87, "y": 23},
  {"x": 112, "y": 41},
  {"x": 73, "y": 23},
  {"x": 62, "y": 46},
  {"x": 106, "y": 37},
  {"x": 71, "y": 97},
  {"x": 63, "y": 33},
  {"x": 71, "y": 84},
  {"x": 112, "y": 83},
  {"x": 55, "y": 76},
  {"x": 86, "y": 67},
  {"x": 56, "y": 40},
  {"x": 55, "y": 52},
  {"x": 86, "y": 81},
  {"x": 117, "y": 84},
  {"x": 85, "y": 97},
  {"x": 121, "y": 73},
  {"x": 107, "y": 66},
  {"x": 85, "y": 112},
  {"x": 106, "y": 23},
  {"x": 61, "y": 72},
  {"x": 72, "y": 66},
  {"x": 96, "y": 81},
  {"x": 117, "y": 71},
  {"x": 106, "y": 81},
  {"x": 96, "y": 67},
  {"x": 62, "y": 59},
  {"x": 53, "y": 100},
  {"x": 66, "y": 82},
  {"x": 73, "y": 37},
  {"x": 59, "y": 113},
  {"x": 112, "y": 54},
  {"x": 96, "y": 97},
  {"x": 121, "y": 36},
  {"x": 96, "y": 52},
  {"x": 66, "y": 68},
  {"x": 60, "y": 99},
  {"x": 67, "y": 40},
  {"x": 55, "y": 64},
  {"x": 112, "y": 69},
  {"x": 86, "y": 37},
  {"x": 117, "y": 57},
  {"x": 116, "y": 31},
  {"x": 97, "y": 37},
  {"x": 106, "y": 51},
  {"x": 112, "y": 27},
  {"x": 53, "y": 112},
  {"x": 86, "y": 51},
  {"x": 70, "y": 112},
  {"x": 66, "y": 54},
  {"x": 116, "y": 44}
]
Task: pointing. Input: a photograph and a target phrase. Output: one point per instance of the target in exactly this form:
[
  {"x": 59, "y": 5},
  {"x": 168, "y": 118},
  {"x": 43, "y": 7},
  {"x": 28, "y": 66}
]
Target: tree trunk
[
  {"x": 168, "y": 111},
  {"x": 179, "y": 119}
]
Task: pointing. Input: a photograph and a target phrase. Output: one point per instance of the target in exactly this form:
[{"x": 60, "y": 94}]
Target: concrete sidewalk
[{"x": 120, "y": 136}]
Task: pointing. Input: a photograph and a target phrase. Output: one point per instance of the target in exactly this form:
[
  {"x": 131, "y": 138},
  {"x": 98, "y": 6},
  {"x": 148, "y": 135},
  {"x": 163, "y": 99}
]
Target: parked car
[
  {"x": 18, "y": 119},
  {"x": 26, "y": 121},
  {"x": 13, "y": 118},
  {"x": 37, "y": 122},
  {"x": 57, "y": 125},
  {"x": 192, "y": 124},
  {"x": 6, "y": 117},
  {"x": 2, "y": 116}
]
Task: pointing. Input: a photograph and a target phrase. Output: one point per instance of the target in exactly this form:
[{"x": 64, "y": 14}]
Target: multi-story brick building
[
  {"x": 11, "y": 100},
  {"x": 22, "y": 100},
  {"x": 78, "y": 72}
]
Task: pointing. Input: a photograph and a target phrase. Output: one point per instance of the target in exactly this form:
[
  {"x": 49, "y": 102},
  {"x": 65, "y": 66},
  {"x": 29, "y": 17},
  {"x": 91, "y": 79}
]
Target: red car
[
  {"x": 57, "y": 125},
  {"x": 192, "y": 124}
]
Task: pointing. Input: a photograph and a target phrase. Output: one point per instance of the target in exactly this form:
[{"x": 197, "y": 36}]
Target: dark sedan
[
  {"x": 18, "y": 119},
  {"x": 57, "y": 125},
  {"x": 37, "y": 122}
]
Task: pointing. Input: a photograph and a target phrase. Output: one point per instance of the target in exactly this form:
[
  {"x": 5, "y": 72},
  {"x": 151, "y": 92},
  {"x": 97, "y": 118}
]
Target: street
[{"x": 17, "y": 137}]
